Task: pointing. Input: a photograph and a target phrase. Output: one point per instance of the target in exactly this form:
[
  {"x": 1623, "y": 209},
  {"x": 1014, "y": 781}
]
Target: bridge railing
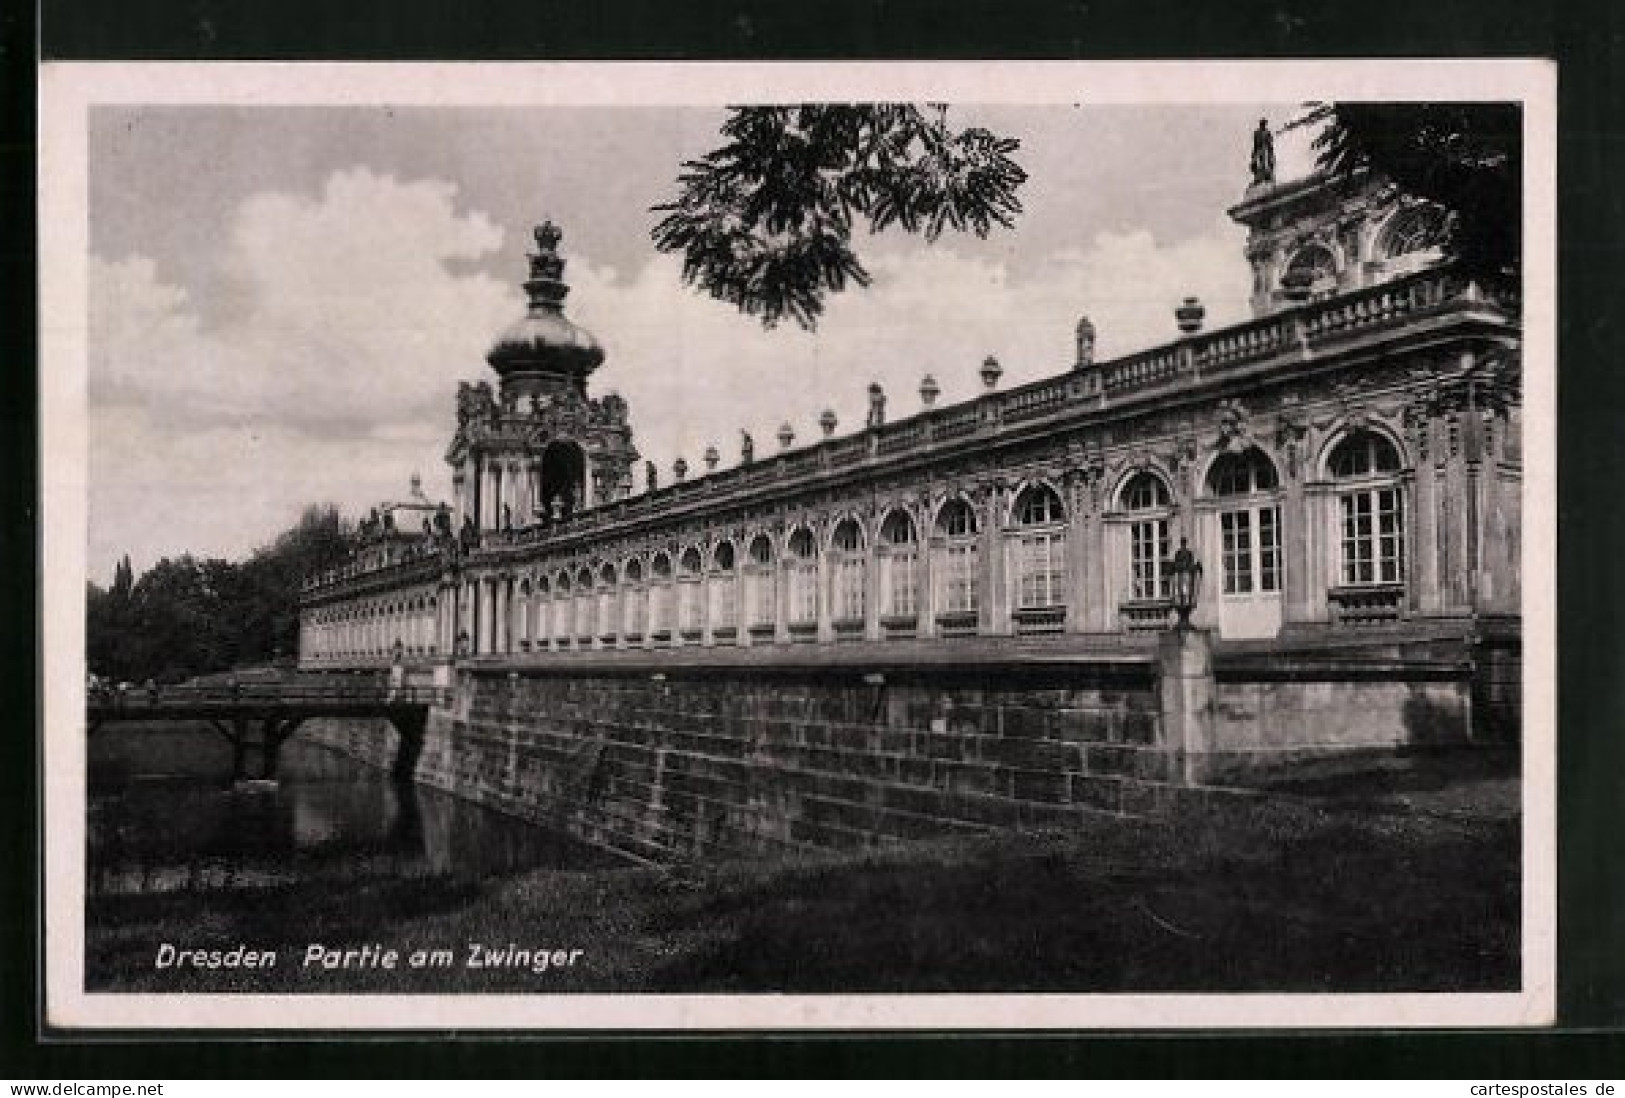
[{"x": 284, "y": 694}]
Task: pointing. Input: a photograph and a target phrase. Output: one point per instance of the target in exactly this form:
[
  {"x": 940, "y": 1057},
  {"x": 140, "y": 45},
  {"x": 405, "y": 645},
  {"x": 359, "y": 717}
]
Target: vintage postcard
[{"x": 798, "y": 547}]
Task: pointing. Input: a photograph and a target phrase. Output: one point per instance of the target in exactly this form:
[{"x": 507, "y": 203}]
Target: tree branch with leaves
[
  {"x": 1467, "y": 157},
  {"x": 765, "y": 221}
]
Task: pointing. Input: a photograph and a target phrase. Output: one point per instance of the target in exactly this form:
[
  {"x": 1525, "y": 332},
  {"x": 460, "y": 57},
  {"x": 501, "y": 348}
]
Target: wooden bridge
[{"x": 261, "y": 716}]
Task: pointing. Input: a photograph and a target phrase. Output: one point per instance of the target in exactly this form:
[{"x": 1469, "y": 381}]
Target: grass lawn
[{"x": 1406, "y": 879}]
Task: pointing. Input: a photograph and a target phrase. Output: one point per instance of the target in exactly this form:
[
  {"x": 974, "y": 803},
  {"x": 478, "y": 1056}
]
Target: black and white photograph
[{"x": 574, "y": 547}]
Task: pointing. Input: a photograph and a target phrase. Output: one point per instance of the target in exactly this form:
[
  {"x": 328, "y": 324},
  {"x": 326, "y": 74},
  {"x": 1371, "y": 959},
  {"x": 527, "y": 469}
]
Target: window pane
[{"x": 1269, "y": 549}]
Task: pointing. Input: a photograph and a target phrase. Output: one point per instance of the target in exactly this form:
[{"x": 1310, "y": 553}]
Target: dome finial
[
  {"x": 546, "y": 287},
  {"x": 544, "y": 341}
]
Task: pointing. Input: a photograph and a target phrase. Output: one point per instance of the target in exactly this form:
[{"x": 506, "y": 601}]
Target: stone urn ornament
[{"x": 929, "y": 390}]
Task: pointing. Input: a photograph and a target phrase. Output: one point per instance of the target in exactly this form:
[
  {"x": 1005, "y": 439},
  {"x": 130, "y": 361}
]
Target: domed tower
[
  {"x": 543, "y": 353},
  {"x": 538, "y": 449}
]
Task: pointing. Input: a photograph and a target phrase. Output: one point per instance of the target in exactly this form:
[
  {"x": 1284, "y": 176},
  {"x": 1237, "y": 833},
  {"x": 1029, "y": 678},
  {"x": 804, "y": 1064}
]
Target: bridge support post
[
  {"x": 410, "y": 725},
  {"x": 239, "y": 749},
  {"x": 277, "y": 733}
]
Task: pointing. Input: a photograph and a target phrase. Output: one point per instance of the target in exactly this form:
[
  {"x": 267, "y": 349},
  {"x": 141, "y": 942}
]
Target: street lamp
[{"x": 1185, "y": 582}]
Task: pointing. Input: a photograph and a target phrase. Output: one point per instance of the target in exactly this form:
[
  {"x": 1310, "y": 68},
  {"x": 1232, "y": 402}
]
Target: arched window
[
  {"x": 563, "y": 611},
  {"x": 899, "y": 566},
  {"x": 608, "y": 614},
  {"x": 635, "y": 601},
  {"x": 850, "y": 572},
  {"x": 1249, "y": 521},
  {"x": 957, "y": 574},
  {"x": 522, "y": 614},
  {"x": 1039, "y": 545},
  {"x": 1371, "y": 509},
  {"x": 542, "y": 613},
  {"x": 690, "y": 616},
  {"x": 760, "y": 608},
  {"x": 1311, "y": 274},
  {"x": 1415, "y": 232},
  {"x": 563, "y": 487},
  {"x": 583, "y": 604},
  {"x": 468, "y": 634},
  {"x": 1146, "y": 499},
  {"x": 660, "y": 597},
  {"x": 724, "y": 592},
  {"x": 801, "y": 561}
]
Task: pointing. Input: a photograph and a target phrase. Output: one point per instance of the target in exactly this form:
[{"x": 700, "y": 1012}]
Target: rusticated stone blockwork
[{"x": 678, "y": 767}]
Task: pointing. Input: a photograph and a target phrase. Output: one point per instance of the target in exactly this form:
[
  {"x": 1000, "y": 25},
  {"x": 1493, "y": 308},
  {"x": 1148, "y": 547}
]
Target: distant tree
[
  {"x": 765, "y": 222},
  {"x": 180, "y": 627},
  {"x": 1467, "y": 157},
  {"x": 186, "y": 617},
  {"x": 273, "y": 576},
  {"x": 123, "y": 579}
]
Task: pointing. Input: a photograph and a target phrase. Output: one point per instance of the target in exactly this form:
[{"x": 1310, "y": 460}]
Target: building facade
[{"x": 1345, "y": 465}]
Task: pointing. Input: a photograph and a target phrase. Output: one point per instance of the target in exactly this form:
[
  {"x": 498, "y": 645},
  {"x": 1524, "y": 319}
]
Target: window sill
[
  {"x": 1146, "y": 615},
  {"x": 900, "y": 626},
  {"x": 1366, "y": 604},
  {"x": 847, "y": 629},
  {"x": 1040, "y": 619}
]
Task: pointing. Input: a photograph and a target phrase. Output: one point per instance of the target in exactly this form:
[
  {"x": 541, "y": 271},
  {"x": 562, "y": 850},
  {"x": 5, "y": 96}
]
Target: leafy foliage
[
  {"x": 186, "y": 617},
  {"x": 765, "y": 222},
  {"x": 1467, "y": 157}
]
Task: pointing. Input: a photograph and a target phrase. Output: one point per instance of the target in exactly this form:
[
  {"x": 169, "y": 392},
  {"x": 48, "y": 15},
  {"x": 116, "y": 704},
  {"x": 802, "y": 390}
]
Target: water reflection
[{"x": 164, "y": 816}]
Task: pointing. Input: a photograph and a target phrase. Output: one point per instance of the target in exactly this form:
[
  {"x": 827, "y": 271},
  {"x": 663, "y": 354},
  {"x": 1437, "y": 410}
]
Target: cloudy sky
[{"x": 283, "y": 299}]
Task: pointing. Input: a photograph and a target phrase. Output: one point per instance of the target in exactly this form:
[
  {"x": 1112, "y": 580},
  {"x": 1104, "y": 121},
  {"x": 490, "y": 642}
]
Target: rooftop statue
[{"x": 1263, "y": 161}]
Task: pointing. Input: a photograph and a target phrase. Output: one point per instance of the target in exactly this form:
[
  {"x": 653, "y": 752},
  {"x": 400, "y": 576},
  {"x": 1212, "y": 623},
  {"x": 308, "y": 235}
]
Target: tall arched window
[
  {"x": 635, "y": 602},
  {"x": 584, "y": 608},
  {"x": 1038, "y": 544},
  {"x": 760, "y": 609},
  {"x": 690, "y": 608},
  {"x": 563, "y": 611},
  {"x": 1412, "y": 237},
  {"x": 801, "y": 564},
  {"x": 899, "y": 552},
  {"x": 609, "y": 616},
  {"x": 957, "y": 565},
  {"x": 1145, "y": 498},
  {"x": 1249, "y": 522},
  {"x": 724, "y": 593},
  {"x": 1371, "y": 510},
  {"x": 660, "y": 618},
  {"x": 541, "y": 611},
  {"x": 849, "y": 576},
  {"x": 522, "y": 614}
]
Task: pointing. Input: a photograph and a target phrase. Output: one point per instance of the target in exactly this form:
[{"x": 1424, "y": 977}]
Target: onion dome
[{"x": 544, "y": 341}]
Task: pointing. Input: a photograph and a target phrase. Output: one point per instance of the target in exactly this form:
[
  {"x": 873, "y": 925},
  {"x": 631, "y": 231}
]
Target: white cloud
[
  {"x": 696, "y": 371},
  {"x": 329, "y": 371},
  {"x": 342, "y": 312}
]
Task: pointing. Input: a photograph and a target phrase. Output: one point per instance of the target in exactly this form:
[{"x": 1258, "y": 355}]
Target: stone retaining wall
[
  {"x": 693, "y": 765},
  {"x": 676, "y": 760}
]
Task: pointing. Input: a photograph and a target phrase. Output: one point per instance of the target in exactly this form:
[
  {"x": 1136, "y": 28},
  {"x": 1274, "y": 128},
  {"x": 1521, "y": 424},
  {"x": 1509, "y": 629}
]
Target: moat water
[{"x": 164, "y": 816}]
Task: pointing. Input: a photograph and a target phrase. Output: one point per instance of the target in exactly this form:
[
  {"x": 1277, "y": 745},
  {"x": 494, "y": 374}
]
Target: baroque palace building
[{"x": 1346, "y": 466}]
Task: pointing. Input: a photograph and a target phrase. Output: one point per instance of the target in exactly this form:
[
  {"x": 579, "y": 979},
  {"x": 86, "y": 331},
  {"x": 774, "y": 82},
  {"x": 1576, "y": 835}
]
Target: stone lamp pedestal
[{"x": 1185, "y": 698}]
